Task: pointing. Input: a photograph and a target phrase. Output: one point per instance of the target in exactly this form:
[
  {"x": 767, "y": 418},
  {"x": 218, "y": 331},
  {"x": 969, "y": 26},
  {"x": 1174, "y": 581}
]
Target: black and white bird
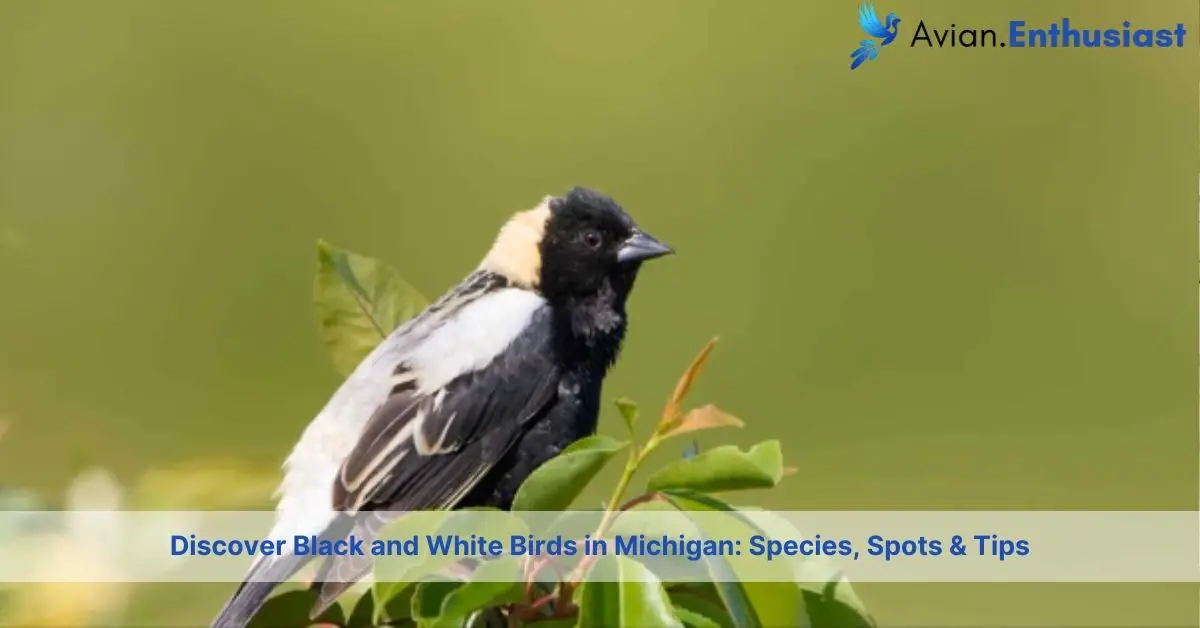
[{"x": 456, "y": 407}]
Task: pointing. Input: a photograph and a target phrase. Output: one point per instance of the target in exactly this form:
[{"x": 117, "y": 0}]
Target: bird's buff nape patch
[{"x": 515, "y": 254}]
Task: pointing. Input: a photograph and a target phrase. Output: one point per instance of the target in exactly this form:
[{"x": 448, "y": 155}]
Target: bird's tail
[
  {"x": 264, "y": 576},
  {"x": 270, "y": 572},
  {"x": 857, "y": 59},
  {"x": 865, "y": 52},
  {"x": 339, "y": 573}
]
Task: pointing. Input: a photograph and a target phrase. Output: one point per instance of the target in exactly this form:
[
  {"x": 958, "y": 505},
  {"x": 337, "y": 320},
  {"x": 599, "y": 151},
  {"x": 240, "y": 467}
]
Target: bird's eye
[{"x": 592, "y": 239}]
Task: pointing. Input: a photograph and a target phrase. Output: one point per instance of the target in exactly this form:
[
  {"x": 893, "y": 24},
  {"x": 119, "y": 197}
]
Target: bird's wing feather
[
  {"x": 427, "y": 448},
  {"x": 866, "y": 48},
  {"x": 461, "y": 333},
  {"x": 870, "y": 23},
  {"x": 865, "y": 52}
]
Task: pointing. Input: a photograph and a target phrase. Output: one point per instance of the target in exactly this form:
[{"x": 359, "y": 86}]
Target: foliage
[{"x": 359, "y": 301}]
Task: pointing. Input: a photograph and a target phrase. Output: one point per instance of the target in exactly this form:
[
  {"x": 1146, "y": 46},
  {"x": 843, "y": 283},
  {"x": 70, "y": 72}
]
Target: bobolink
[{"x": 460, "y": 404}]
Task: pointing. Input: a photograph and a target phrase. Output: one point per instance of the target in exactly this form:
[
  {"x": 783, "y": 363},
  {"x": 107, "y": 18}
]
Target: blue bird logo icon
[{"x": 885, "y": 31}]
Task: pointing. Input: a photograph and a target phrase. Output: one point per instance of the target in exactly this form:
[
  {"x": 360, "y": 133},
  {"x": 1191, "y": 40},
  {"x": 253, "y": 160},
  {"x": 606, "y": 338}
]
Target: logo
[{"x": 886, "y": 31}]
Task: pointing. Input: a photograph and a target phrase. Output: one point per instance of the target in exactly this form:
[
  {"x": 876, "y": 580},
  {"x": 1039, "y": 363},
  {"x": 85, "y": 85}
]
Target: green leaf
[
  {"x": 363, "y": 613},
  {"x": 396, "y": 608},
  {"x": 837, "y": 605},
  {"x": 621, "y": 592},
  {"x": 629, "y": 413},
  {"x": 495, "y": 583},
  {"x": 394, "y": 576},
  {"x": 429, "y": 597},
  {"x": 750, "y": 604},
  {"x": 725, "y": 468},
  {"x": 692, "y": 619},
  {"x": 701, "y": 599},
  {"x": 654, "y": 519},
  {"x": 829, "y": 597},
  {"x": 359, "y": 301},
  {"x": 555, "y": 484},
  {"x": 292, "y": 609}
]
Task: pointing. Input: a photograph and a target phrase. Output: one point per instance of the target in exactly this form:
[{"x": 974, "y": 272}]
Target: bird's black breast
[
  {"x": 584, "y": 337},
  {"x": 573, "y": 415},
  {"x": 583, "y": 362}
]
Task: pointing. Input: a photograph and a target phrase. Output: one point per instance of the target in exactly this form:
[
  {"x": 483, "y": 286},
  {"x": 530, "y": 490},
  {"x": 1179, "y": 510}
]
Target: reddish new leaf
[{"x": 685, "y": 382}]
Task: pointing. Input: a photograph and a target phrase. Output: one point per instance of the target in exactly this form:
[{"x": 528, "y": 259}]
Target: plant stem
[
  {"x": 610, "y": 509},
  {"x": 613, "y": 507},
  {"x": 641, "y": 499},
  {"x": 542, "y": 601},
  {"x": 636, "y": 457}
]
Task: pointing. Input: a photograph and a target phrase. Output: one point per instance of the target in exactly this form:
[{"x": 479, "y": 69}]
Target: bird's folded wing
[{"x": 428, "y": 449}]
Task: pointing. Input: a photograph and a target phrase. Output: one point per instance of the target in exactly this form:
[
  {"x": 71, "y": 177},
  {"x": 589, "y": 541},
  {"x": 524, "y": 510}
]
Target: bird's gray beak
[{"x": 640, "y": 247}]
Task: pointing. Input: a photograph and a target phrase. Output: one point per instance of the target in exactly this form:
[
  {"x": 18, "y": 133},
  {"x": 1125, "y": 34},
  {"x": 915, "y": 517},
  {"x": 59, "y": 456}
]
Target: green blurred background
[{"x": 955, "y": 279}]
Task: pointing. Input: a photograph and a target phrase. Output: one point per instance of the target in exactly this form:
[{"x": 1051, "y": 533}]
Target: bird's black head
[
  {"x": 581, "y": 252},
  {"x": 591, "y": 248}
]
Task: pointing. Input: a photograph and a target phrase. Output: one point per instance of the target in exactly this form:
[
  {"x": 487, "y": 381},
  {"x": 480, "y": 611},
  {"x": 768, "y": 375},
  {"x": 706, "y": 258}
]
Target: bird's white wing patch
[
  {"x": 466, "y": 340},
  {"x": 470, "y": 340},
  {"x": 305, "y": 506}
]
